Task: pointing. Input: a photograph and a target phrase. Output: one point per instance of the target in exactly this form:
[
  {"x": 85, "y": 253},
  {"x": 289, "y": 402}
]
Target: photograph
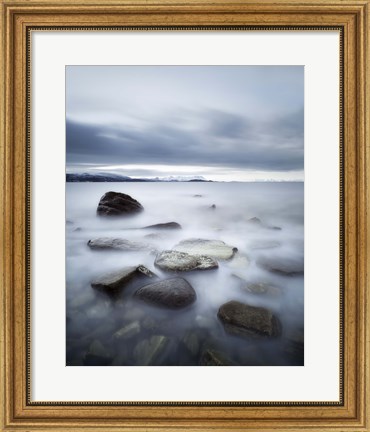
[
  {"x": 184, "y": 215},
  {"x": 185, "y": 184}
]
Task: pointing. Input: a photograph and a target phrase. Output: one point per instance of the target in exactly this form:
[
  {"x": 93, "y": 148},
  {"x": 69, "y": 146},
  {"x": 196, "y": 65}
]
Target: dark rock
[
  {"x": 211, "y": 248},
  {"x": 287, "y": 266},
  {"x": 113, "y": 283},
  {"x": 77, "y": 229},
  {"x": 250, "y": 321},
  {"x": 102, "y": 243},
  {"x": 214, "y": 358},
  {"x": 118, "y": 204},
  {"x": 175, "y": 261},
  {"x": 213, "y": 206},
  {"x": 172, "y": 293},
  {"x": 167, "y": 225},
  {"x": 197, "y": 196},
  {"x": 69, "y": 222}
]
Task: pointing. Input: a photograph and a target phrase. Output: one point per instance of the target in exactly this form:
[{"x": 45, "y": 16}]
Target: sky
[{"x": 225, "y": 123}]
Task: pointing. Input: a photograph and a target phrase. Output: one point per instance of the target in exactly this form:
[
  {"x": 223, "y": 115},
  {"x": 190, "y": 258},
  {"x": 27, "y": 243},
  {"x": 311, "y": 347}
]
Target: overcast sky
[{"x": 221, "y": 122}]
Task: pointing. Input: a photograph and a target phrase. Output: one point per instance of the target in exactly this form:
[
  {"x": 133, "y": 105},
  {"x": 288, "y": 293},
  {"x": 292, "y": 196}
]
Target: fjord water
[{"x": 206, "y": 210}]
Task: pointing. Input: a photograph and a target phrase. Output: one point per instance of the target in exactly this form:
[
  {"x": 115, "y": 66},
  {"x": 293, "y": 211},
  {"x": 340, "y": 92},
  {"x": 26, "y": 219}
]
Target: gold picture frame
[{"x": 18, "y": 412}]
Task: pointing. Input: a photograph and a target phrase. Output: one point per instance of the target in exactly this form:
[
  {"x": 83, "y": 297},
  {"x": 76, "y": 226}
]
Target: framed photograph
[{"x": 184, "y": 188}]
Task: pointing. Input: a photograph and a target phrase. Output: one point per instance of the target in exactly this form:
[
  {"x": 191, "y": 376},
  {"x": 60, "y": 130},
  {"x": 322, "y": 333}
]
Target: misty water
[{"x": 205, "y": 210}]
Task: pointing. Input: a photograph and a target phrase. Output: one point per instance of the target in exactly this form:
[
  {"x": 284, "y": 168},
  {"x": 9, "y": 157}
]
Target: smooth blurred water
[{"x": 92, "y": 317}]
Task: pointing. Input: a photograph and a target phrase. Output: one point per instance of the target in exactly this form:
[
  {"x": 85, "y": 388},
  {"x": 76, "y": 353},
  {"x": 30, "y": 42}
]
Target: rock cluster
[{"x": 149, "y": 337}]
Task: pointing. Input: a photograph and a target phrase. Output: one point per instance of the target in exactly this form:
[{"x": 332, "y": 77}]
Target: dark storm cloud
[{"x": 219, "y": 138}]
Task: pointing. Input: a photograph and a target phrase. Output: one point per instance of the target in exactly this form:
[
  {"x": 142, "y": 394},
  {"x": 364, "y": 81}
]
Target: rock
[
  {"x": 262, "y": 288},
  {"x": 257, "y": 288},
  {"x": 156, "y": 236},
  {"x": 258, "y": 223},
  {"x": 172, "y": 293},
  {"x": 148, "y": 351},
  {"x": 284, "y": 265},
  {"x": 167, "y": 225},
  {"x": 97, "y": 355},
  {"x": 191, "y": 342},
  {"x": 128, "y": 331},
  {"x": 197, "y": 196},
  {"x": 118, "y": 204},
  {"x": 211, "y": 248},
  {"x": 102, "y": 243},
  {"x": 175, "y": 261},
  {"x": 249, "y": 321},
  {"x": 213, "y": 207},
  {"x": 77, "y": 229},
  {"x": 255, "y": 221},
  {"x": 69, "y": 222},
  {"x": 112, "y": 283},
  {"x": 214, "y": 358}
]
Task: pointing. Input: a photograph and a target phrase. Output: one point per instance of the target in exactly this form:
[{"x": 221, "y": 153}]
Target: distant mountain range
[{"x": 111, "y": 177}]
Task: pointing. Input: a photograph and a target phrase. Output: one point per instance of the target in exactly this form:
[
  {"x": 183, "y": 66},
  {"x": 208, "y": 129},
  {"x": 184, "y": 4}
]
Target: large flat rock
[
  {"x": 114, "y": 282},
  {"x": 172, "y": 293},
  {"x": 211, "y": 248},
  {"x": 249, "y": 321},
  {"x": 102, "y": 243},
  {"x": 175, "y": 261}
]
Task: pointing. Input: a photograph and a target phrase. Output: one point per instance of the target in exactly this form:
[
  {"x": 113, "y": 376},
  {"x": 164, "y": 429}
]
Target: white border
[{"x": 318, "y": 380}]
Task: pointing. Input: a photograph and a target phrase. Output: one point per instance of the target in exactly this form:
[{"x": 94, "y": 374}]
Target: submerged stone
[
  {"x": 147, "y": 351},
  {"x": 249, "y": 321},
  {"x": 191, "y": 342},
  {"x": 97, "y": 355},
  {"x": 287, "y": 266},
  {"x": 128, "y": 331},
  {"x": 214, "y": 358},
  {"x": 257, "y": 287}
]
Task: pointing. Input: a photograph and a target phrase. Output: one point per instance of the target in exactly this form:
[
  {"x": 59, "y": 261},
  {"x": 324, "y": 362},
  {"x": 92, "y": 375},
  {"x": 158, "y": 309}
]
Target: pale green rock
[
  {"x": 148, "y": 351},
  {"x": 211, "y": 248},
  {"x": 128, "y": 331}
]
